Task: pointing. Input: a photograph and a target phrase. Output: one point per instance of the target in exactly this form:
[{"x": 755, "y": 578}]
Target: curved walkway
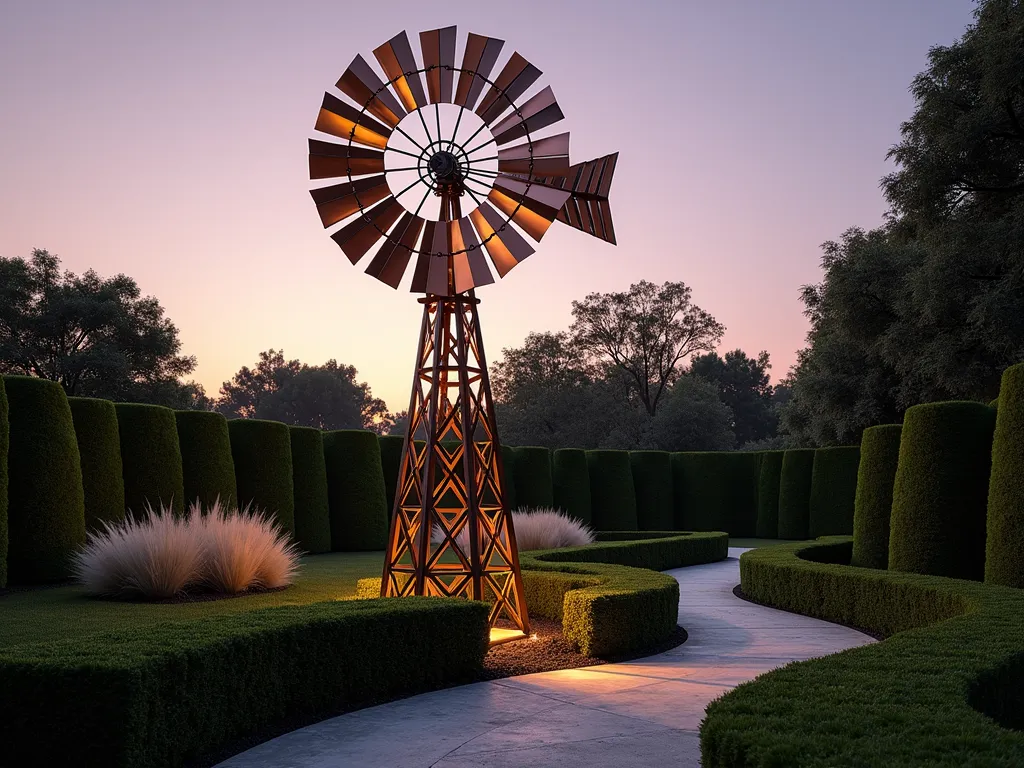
[{"x": 639, "y": 713}]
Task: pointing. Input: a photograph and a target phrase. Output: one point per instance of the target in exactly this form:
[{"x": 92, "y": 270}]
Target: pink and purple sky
[{"x": 167, "y": 141}]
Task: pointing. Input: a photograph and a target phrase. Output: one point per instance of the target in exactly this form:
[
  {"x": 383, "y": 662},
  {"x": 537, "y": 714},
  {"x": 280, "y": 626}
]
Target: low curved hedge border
[{"x": 924, "y": 696}]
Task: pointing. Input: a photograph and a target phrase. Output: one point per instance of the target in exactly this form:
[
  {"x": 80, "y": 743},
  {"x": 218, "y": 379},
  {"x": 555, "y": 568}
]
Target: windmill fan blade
[
  {"x": 550, "y": 157},
  {"x": 505, "y": 247},
  {"x": 396, "y": 59},
  {"x": 361, "y": 84},
  {"x": 538, "y": 112},
  {"x": 356, "y": 238},
  {"x": 552, "y": 146},
  {"x": 328, "y": 160},
  {"x": 517, "y": 75},
  {"x": 469, "y": 268},
  {"x": 477, "y": 62},
  {"x": 419, "y": 276},
  {"x": 338, "y": 202},
  {"x": 439, "y": 58},
  {"x": 587, "y": 208},
  {"x": 391, "y": 260},
  {"x": 344, "y": 121},
  {"x": 532, "y": 207},
  {"x": 437, "y": 271}
]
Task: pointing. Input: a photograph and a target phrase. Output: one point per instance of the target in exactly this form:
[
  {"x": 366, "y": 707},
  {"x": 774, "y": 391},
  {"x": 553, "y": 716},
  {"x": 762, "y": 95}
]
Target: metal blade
[
  {"x": 470, "y": 268},
  {"x": 359, "y": 236},
  {"x": 344, "y": 121},
  {"x": 551, "y": 146},
  {"x": 506, "y": 247},
  {"x": 328, "y": 160},
  {"x": 542, "y": 166},
  {"x": 438, "y": 47},
  {"x": 534, "y": 210},
  {"x": 606, "y": 218},
  {"x": 396, "y": 59},
  {"x": 390, "y": 263},
  {"x": 339, "y": 201},
  {"x": 537, "y": 197},
  {"x": 361, "y": 84},
  {"x": 517, "y": 75},
  {"x": 419, "y": 276},
  {"x": 437, "y": 273},
  {"x": 538, "y": 112},
  {"x": 477, "y": 62}
]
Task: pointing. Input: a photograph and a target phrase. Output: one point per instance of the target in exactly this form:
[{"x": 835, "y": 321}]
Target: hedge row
[
  {"x": 99, "y": 449},
  {"x": 652, "y": 487},
  {"x": 262, "y": 452},
  {"x": 768, "y": 482},
  {"x": 150, "y": 457},
  {"x": 942, "y": 690},
  {"x": 876, "y": 475},
  {"x": 208, "y": 469},
  {"x": 833, "y": 490},
  {"x": 570, "y": 479},
  {"x": 795, "y": 493},
  {"x": 171, "y": 693},
  {"x": 612, "y": 500},
  {"x": 309, "y": 481},
  {"x": 716, "y": 490},
  {"x": 531, "y": 475},
  {"x": 355, "y": 485},
  {"x": 1004, "y": 552}
]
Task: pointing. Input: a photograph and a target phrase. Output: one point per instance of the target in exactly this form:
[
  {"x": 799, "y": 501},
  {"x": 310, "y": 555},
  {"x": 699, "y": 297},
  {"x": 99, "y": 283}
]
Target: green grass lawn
[{"x": 63, "y": 612}]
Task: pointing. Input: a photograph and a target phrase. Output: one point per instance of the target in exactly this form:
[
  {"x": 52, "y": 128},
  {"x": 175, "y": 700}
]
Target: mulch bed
[{"x": 738, "y": 591}]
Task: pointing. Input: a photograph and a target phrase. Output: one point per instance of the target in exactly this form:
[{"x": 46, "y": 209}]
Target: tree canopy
[{"x": 742, "y": 383}]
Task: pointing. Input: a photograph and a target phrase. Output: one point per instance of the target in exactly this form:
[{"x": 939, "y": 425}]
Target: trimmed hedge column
[
  {"x": 5, "y": 434},
  {"x": 612, "y": 503},
  {"x": 46, "y": 502},
  {"x": 652, "y": 487},
  {"x": 508, "y": 464},
  {"x": 355, "y": 485},
  {"x": 571, "y": 483},
  {"x": 715, "y": 491},
  {"x": 795, "y": 493},
  {"x": 151, "y": 458},
  {"x": 879, "y": 456},
  {"x": 1004, "y": 552},
  {"x": 99, "y": 447},
  {"x": 833, "y": 490},
  {"x": 941, "y": 490},
  {"x": 390, "y": 461},
  {"x": 768, "y": 481},
  {"x": 309, "y": 479},
  {"x": 533, "y": 477},
  {"x": 207, "y": 467},
  {"x": 262, "y": 452}
]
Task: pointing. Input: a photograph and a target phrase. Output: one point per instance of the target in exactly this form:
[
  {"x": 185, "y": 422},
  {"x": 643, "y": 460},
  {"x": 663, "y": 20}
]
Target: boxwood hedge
[
  {"x": 876, "y": 475},
  {"x": 532, "y": 477},
  {"x": 612, "y": 503},
  {"x": 795, "y": 493},
  {"x": 262, "y": 452},
  {"x": 571, "y": 483},
  {"x": 207, "y": 467},
  {"x": 355, "y": 486},
  {"x": 768, "y": 495},
  {"x": 508, "y": 463},
  {"x": 171, "y": 693},
  {"x": 100, "y": 450},
  {"x": 5, "y": 433},
  {"x": 942, "y": 690},
  {"x": 150, "y": 457},
  {"x": 309, "y": 480},
  {"x": 390, "y": 461},
  {"x": 716, "y": 491},
  {"x": 941, "y": 490},
  {"x": 46, "y": 503},
  {"x": 1004, "y": 551},
  {"x": 652, "y": 487},
  {"x": 833, "y": 490}
]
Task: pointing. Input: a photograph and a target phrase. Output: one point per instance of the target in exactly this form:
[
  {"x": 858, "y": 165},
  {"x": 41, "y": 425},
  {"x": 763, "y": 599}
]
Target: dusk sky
[{"x": 167, "y": 141}]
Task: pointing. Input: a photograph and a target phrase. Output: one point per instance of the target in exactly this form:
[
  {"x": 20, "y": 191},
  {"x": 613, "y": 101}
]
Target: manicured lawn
[{"x": 45, "y": 614}]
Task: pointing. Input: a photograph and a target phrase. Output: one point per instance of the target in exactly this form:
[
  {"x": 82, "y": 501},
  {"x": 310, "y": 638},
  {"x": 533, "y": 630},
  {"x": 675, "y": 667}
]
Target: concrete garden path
[{"x": 640, "y": 713}]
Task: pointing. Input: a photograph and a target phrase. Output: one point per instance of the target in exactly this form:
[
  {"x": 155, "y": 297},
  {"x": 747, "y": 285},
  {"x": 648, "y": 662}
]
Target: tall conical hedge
[
  {"x": 876, "y": 475},
  {"x": 5, "y": 436},
  {"x": 532, "y": 472},
  {"x": 612, "y": 500},
  {"x": 508, "y": 461},
  {"x": 390, "y": 461},
  {"x": 150, "y": 457},
  {"x": 571, "y": 481},
  {"x": 795, "y": 493},
  {"x": 941, "y": 490},
  {"x": 355, "y": 485},
  {"x": 262, "y": 452},
  {"x": 768, "y": 481},
  {"x": 207, "y": 467},
  {"x": 833, "y": 491},
  {"x": 1004, "y": 551},
  {"x": 99, "y": 447},
  {"x": 46, "y": 502},
  {"x": 309, "y": 479},
  {"x": 652, "y": 487}
]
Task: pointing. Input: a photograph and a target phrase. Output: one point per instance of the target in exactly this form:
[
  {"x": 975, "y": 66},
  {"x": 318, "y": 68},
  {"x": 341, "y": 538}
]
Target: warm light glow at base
[{"x": 499, "y": 636}]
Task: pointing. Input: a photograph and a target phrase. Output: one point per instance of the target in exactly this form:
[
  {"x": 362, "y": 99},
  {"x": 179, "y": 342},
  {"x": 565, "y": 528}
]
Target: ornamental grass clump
[
  {"x": 540, "y": 528},
  {"x": 161, "y": 555}
]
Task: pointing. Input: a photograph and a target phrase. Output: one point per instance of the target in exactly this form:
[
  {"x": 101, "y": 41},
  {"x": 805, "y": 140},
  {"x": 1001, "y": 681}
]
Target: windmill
[{"x": 440, "y": 175}]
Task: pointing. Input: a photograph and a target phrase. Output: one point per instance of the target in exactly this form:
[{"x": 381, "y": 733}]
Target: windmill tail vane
[{"x": 444, "y": 167}]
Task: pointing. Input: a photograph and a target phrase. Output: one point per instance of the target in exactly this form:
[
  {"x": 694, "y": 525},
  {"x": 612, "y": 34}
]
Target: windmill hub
[{"x": 444, "y": 167}]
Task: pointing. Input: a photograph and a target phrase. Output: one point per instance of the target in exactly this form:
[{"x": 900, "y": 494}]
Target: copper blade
[
  {"x": 339, "y": 201},
  {"x": 542, "y": 166},
  {"x": 469, "y": 267},
  {"x": 505, "y": 247},
  {"x": 438, "y": 47},
  {"x": 477, "y": 62},
  {"x": 517, "y": 75},
  {"x": 595, "y": 216},
  {"x": 396, "y": 59},
  {"x": 361, "y": 84},
  {"x": 390, "y": 263},
  {"x": 534, "y": 209},
  {"x": 329, "y": 160},
  {"x": 344, "y": 121},
  {"x": 419, "y": 277},
  {"x": 437, "y": 273},
  {"x": 538, "y": 112},
  {"x": 359, "y": 236},
  {"x": 606, "y": 175},
  {"x": 551, "y": 146},
  {"x": 606, "y": 218},
  {"x": 536, "y": 196},
  {"x": 586, "y": 222}
]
